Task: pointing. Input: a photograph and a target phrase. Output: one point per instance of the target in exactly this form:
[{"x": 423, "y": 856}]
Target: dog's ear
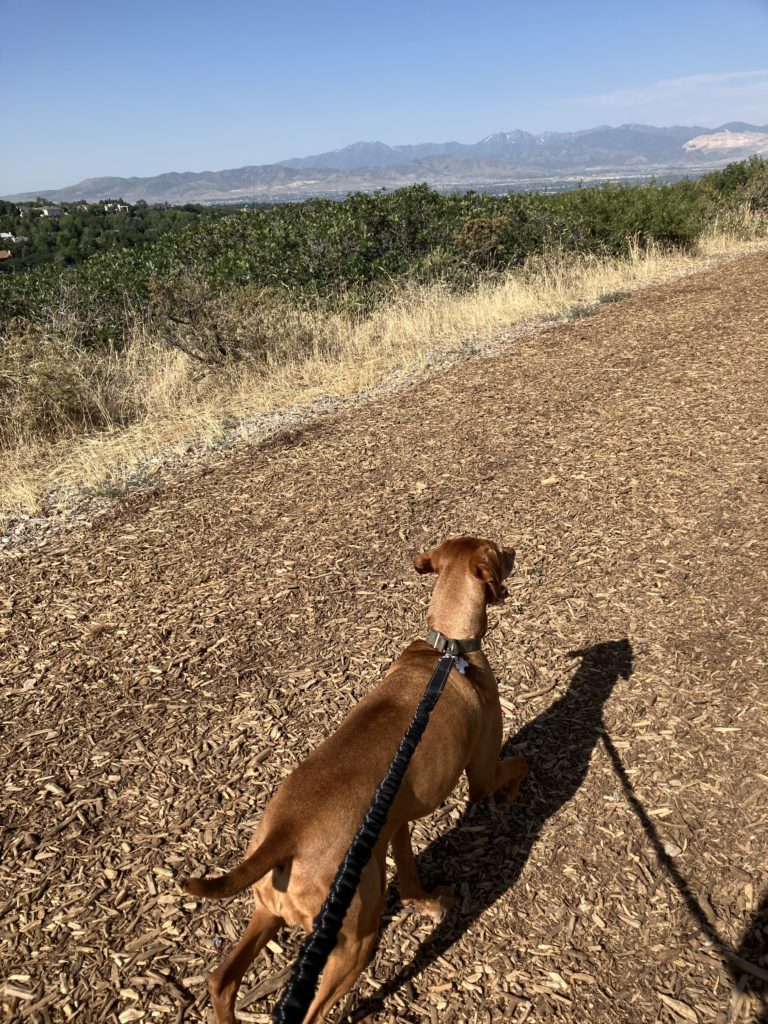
[
  {"x": 423, "y": 563},
  {"x": 492, "y": 567}
]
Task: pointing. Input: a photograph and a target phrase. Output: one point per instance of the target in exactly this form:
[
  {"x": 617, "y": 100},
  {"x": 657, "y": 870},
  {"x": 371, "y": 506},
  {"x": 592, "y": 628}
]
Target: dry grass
[{"x": 75, "y": 421}]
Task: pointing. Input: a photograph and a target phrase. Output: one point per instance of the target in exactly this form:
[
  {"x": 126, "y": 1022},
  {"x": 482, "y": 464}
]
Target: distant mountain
[
  {"x": 375, "y": 154},
  {"x": 555, "y": 150},
  {"x": 503, "y": 159}
]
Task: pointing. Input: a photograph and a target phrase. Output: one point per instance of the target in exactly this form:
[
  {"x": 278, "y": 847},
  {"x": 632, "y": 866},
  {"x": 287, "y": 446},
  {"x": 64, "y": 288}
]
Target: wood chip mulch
[{"x": 162, "y": 669}]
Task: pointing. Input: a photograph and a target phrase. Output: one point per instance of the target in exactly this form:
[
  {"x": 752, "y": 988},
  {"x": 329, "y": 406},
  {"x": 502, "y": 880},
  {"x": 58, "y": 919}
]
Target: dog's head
[{"x": 474, "y": 559}]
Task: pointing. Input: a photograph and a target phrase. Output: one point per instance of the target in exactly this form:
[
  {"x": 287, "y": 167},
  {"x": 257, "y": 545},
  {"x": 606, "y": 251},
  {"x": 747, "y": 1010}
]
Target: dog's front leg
[
  {"x": 411, "y": 890},
  {"x": 502, "y": 778}
]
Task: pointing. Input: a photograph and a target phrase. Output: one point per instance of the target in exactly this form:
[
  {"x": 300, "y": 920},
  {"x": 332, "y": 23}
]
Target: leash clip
[{"x": 453, "y": 650}]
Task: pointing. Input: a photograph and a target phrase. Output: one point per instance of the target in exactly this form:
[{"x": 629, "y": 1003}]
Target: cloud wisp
[{"x": 707, "y": 99}]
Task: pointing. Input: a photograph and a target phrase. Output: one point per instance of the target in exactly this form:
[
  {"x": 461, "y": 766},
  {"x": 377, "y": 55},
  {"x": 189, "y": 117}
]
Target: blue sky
[{"x": 97, "y": 88}]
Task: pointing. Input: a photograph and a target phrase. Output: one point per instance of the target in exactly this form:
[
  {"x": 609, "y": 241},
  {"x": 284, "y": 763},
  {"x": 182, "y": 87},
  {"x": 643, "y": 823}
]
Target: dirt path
[{"x": 162, "y": 670}]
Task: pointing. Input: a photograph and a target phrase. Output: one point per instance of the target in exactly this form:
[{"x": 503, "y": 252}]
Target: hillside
[{"x": 166, "y": 662}]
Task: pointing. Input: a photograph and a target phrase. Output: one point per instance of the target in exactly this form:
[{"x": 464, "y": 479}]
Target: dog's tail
[{"x": 272, "y": 852}]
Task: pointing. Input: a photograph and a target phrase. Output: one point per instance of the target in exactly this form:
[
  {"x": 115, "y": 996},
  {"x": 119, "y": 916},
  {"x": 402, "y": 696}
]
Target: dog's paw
[
  {"x": 434, "y": 904},
  {"x": 505, "y": 796}
]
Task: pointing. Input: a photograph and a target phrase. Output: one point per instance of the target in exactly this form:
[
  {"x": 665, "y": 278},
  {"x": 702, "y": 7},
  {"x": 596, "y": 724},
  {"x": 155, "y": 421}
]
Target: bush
[{"x": 250, "y": 324}]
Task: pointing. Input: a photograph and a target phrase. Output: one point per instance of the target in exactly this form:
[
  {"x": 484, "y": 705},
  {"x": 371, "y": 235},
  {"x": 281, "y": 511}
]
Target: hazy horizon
[
  {"x": 165, "y": 88},
  {"x": 212, "y": 168}
]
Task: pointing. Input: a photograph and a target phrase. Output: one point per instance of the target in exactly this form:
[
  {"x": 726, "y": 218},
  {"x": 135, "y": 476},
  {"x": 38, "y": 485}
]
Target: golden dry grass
[{"x": 100, "y": 422}]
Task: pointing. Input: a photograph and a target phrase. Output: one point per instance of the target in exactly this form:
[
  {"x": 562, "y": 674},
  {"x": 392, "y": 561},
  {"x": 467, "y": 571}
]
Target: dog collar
[{"x": 443, "y": 643}]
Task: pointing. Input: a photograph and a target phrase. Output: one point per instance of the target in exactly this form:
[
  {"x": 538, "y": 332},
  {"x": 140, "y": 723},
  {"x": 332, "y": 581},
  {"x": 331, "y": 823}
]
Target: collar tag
[
  {"x": 462, "y": 665},
  {"x": 456, "y": 648}
]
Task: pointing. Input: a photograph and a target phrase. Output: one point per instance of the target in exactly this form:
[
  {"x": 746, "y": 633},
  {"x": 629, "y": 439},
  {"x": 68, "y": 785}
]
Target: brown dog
[{"x": 309, "y": 823}]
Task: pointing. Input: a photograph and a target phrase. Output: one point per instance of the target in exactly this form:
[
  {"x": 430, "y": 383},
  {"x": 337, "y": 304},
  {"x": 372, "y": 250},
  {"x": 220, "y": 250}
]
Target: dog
[{"x": 309, "y": 824}]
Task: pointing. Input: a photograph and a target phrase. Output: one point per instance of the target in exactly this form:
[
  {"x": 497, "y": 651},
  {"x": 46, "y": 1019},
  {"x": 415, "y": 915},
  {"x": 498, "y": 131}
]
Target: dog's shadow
[{"x": 489, "y": 851}]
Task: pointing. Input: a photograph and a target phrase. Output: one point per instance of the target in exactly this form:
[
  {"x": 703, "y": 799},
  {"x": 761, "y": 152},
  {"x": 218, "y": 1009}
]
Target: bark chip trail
[{"x": 163, "y": 668}]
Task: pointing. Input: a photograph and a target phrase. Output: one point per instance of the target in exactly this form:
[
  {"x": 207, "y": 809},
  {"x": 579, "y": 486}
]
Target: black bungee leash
[{"x": 317, "y": 947}]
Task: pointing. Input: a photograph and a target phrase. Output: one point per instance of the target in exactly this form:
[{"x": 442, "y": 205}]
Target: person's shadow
[
  {"x": 742, "y": 964},
  {"x": 753, "y": 950},
  {"x": 558, "y": 744}
]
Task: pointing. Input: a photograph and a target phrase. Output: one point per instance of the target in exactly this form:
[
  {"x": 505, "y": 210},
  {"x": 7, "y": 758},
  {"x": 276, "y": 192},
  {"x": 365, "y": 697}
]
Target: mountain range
[{"x": 506, "y": 159}]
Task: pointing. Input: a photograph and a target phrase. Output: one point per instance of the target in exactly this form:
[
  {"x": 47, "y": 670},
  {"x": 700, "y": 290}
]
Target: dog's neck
[{"x": 457, "y": 607}]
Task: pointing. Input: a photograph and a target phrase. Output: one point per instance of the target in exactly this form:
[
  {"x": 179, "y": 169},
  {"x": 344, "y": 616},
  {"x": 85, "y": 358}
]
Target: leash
[{"x": 318, "y": 946}]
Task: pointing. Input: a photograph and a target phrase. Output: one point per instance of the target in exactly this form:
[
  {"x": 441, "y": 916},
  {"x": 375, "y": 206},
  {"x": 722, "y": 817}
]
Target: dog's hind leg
[
  {"x": 345, "y": 965},
  {"x": 411, "y": 890},
  {"x": 225, "y": 980},
  {"x": 355, "y": 946}
]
